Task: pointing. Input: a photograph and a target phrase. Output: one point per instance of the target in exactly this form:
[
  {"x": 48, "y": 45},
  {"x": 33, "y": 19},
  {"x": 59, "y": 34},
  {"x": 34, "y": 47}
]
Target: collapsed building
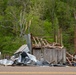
[
  {"x": 54, "y": 53},
  {"x": 39, "y": 52}
]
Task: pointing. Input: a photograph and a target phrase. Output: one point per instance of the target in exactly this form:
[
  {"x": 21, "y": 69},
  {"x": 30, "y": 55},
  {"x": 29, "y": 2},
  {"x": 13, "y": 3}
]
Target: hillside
[{"x": 42, "y": 18}]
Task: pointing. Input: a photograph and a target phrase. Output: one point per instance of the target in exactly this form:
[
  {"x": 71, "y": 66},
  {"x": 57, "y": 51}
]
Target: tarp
[
  {"x": 22, "y": 56},
  {"x": 6, "y": 62}
]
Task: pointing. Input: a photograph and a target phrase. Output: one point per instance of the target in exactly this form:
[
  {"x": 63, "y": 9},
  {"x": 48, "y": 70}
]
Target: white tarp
[
  {"x": 6, "y": 62},
  {"x": 22, "y": 56},
  {"x": 32, "y": 57}
]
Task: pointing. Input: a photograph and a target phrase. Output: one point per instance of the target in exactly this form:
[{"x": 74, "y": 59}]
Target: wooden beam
[{"x": 69, "y": 61}]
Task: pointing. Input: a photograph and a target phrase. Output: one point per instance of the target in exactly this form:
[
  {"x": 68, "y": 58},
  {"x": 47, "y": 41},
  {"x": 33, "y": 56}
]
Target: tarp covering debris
[{"x": 22, "y": 56}]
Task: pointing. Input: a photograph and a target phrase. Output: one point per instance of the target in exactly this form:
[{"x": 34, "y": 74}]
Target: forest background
[{"x": 42, "y": 18}]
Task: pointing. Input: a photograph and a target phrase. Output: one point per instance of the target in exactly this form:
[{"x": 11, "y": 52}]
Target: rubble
[
  {"x": 23, "y": 57},
  {"x": 53, "y": 53},
  {"x": 71, "y": 60},
  {"x": 43, "y": 43},
  {"x": 42, "y": 53}
]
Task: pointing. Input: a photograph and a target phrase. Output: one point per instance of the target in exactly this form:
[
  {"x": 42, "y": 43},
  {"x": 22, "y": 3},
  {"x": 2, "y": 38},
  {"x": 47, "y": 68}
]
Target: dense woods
[{"x": 42, "y": 18}]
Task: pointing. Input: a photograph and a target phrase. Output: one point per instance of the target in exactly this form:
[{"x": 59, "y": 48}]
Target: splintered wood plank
[
  {"x": 46, "y": 41},
  {"x": 42, "y": 41},
  {"x": 69, "y": 61},
  {"x": 34, "y": 40},
  {"x": 38, "y": 41}
]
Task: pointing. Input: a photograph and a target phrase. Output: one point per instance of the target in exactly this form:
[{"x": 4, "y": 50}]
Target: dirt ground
[{"x": 24, "y": 70}]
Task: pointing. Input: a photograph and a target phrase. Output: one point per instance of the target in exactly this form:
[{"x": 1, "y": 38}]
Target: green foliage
[
  {"x": 36, "y": 28},
  {"x": 63, "y": 12},
  {"x": 9, "y": 44},
  {"x": 46, "y": 17}
]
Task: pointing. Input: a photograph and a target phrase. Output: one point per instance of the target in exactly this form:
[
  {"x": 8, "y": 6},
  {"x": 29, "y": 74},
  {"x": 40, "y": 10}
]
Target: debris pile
[
  {"x": 53, "y": 53},
  {"x": 39, "y": 52},
  {"x": 23, "y": 57},
  {"x": 71, "y": 60},
  {"x": 43, "y": 43}
]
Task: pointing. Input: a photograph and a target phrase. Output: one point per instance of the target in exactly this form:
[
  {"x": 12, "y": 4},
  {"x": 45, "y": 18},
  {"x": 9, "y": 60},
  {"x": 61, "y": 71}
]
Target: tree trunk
[
  {"x": 75, "y": 35},
  {"x": 75, "y": 39}
]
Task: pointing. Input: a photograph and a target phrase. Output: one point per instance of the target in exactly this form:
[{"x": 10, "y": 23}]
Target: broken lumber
[{"x": 69, "y": 61}]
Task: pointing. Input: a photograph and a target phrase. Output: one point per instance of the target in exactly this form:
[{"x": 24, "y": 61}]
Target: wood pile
[
  {"x": 43, "y": 43},
  {"x": 71, "y": 60}
]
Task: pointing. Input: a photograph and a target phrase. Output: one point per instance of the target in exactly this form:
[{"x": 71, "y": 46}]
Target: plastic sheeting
[
  {"x": 23, "y": 58},
  {"x": 6, "y": 62}
]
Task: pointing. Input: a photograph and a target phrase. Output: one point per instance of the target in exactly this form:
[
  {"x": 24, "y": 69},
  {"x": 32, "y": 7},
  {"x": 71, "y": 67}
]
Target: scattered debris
[
  {"x": 23, "y": 57},
  {"x": 71, "y": 60},
  {"x": 43, "y": 43},
  {"x": 6, "y": 62},
  {"x": 53, "y": 53},
  {"x": 39, "y": 52}
]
